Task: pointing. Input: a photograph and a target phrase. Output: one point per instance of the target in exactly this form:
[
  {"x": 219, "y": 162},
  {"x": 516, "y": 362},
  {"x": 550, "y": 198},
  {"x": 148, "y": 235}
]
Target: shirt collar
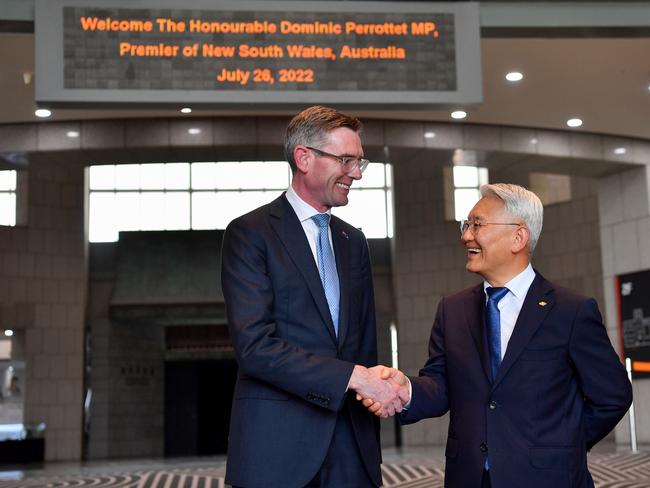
[
  {"x": 520, "y": 284},
  {"x": 303, "y": 210}
]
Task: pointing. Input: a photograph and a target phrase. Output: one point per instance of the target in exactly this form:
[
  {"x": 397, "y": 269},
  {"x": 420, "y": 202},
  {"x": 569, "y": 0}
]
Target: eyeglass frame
[
  {"x": 475, "y": 225},
  {"x": 361, "y": 163}
]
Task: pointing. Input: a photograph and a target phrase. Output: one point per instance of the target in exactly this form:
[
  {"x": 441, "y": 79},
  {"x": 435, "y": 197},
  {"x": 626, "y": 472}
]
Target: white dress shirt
[
  {"x": 510, "y": 305},
  {"x": 305, "y": 212}
]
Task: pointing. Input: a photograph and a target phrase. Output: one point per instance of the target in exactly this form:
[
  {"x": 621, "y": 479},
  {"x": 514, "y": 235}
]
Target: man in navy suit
[
  {"x": 300, "y": 305},
  {"x": 524, "y": 368}
]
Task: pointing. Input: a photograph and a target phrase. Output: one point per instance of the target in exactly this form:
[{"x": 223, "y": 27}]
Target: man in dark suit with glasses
[
  {"x": 300, "y": 305},
  {"x": 524, "y": 367}
]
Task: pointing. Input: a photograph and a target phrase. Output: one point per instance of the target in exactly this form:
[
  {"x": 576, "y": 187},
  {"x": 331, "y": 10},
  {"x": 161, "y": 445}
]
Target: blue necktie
[
  {"x": 327, "y": 267},
  {"x": 493, "y": 321}
]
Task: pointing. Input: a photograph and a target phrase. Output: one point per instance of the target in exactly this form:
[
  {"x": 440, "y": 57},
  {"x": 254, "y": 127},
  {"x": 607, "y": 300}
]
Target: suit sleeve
[
  {"x": 261, "y": 353},
  {"x": 606, "y": 389},
  {"x": 429, "y": 390}
]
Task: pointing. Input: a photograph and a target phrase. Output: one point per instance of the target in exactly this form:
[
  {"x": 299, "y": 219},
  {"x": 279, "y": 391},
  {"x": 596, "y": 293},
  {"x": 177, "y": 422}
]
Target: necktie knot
[
  {"x": 495, "y": 294},
  {"x": 321, "y": 219}
]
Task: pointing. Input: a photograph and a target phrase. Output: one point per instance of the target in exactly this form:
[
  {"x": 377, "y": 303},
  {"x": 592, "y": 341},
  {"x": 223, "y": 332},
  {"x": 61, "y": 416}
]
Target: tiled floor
[{"x": 415, "y": 467}]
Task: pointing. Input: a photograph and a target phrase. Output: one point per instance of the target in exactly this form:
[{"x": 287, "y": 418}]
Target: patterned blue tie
[
  {"x": 493, "y": 321},
  {"x": 327, "y": 267}
]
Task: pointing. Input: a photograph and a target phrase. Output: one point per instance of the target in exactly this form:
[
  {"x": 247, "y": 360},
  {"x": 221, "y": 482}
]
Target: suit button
[
  {"x": 493, "y": 405},
  {"x": 483, "y": 447}
]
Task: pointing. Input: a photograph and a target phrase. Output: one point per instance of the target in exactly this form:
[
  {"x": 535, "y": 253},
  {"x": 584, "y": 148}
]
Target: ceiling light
[
  {"x": 514, "y": 76},
  {"x": 458, "y": 114},
  {"x": 620, "y": 150},
  {"x": 186, "y": 110},
  {"x": 72, "y": 134},
  {"x": 533, "y": 140},
  {"x": 193, "y": 131},
  {"x": 9, "y": 332},
  {"x": 574, "y": 122},
  {"x": 42, "y": 112},
  {"x": 429, "y": 135}
]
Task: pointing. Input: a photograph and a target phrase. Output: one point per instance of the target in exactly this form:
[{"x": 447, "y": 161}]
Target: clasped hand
[{"x": 382, "y": 390}]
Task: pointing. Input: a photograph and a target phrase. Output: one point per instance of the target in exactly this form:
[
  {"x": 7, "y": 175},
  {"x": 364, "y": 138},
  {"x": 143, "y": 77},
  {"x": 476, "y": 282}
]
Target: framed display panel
[
  {"x": 204, "y": 52},
  {"x": 633, "y": 299}
]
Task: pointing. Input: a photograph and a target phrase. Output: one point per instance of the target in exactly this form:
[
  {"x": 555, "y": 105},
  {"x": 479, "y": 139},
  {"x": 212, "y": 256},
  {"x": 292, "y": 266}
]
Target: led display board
[
  {"x": 633, "y": 290},
  {"x": 209, "y": 52}
]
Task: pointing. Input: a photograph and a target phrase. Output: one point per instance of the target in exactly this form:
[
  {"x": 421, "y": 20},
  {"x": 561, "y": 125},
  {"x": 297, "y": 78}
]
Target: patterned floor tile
[{"x": 617, "y": 470}]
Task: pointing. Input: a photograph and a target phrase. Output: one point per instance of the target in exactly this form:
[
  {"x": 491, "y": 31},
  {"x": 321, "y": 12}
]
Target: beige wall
[
  {"x": 42, "y": 290},
  {"x": 624, "y": 203}
]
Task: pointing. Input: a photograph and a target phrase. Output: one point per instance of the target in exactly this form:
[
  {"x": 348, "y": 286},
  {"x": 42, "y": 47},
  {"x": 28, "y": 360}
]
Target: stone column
[
  {"x": 42, "y": 291},
  {"x": 624, "y": 206}
]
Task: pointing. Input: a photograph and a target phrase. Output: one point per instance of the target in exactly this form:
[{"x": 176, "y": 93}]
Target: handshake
[{"x": 383, "y": 391}]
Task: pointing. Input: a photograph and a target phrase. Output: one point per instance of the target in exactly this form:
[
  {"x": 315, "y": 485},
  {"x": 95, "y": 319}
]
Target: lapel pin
[
  {"x": 542, "y": 303},
  {"x": 344, "y": 234}
]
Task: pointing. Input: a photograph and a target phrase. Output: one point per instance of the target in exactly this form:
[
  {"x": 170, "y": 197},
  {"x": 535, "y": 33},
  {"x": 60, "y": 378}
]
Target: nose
[
  {"x": 356, "y": 173},
  {"x": 466, "y": 235}
]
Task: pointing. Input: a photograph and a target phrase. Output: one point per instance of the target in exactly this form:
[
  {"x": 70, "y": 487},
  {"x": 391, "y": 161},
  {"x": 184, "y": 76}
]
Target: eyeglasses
[
  {"x": 474, "y": 226},
  {"x": 350, "y": 163}
]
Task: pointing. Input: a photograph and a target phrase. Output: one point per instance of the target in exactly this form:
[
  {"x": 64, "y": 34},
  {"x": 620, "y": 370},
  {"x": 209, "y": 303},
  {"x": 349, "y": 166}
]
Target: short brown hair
[{"x": 311, "y": 127}]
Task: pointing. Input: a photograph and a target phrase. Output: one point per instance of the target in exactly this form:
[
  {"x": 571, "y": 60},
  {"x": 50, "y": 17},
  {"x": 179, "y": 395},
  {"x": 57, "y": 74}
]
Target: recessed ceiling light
[
  {"x": 620, "y": 150},
  {"x": 42, "y": 112},
  {"x": 72, "y": 134},
  {"x": 429, "y": 135},
  {"x": 186, "y": 110},
  {"x": 514, "y": 76},
  {"x": 193, "y": 131},
  {"x": 458, "y": 114},
  {"x": 574, "y": 122},
  {"x": 9, "y": 332},
  {"x": 533, "y": 140},
  {"x": 648, "y": 87}
]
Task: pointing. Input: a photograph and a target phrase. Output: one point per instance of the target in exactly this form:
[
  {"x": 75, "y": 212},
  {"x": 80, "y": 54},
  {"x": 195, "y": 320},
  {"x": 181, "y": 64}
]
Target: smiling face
[
  {"x": 497, "y": 253},
  {"x": 322, "y": 181}
]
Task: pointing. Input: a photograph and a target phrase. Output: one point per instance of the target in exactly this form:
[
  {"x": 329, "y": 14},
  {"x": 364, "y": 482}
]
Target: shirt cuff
[{"x": 408, "y": 404}]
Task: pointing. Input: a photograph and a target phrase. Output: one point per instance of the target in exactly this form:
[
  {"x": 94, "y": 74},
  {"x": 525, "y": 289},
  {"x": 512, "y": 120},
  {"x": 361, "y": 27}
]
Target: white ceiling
[{"x": 604, "y": 81}]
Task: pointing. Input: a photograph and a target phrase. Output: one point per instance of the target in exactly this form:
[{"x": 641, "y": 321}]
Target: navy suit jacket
[
  {"x": 293, "y": 371},
  {"x": 559, "y": 390}
]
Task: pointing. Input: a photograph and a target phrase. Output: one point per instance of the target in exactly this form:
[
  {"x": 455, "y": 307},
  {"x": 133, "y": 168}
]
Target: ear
[
  {"x": 520, "y": 240},
  {"x": 302, "y": 157}
]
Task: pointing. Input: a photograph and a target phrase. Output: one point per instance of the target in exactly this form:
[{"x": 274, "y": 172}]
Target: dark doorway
[{"x": 198, "y": 396}]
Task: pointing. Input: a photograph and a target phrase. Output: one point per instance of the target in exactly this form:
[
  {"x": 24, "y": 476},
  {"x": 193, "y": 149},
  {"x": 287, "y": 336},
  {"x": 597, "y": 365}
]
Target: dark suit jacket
[
  {"x": 293, "y": 372},
  {"x": 559, "y": 390}
]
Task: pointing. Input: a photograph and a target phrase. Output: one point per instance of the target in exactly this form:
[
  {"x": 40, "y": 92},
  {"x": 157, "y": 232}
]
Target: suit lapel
[
  {"x": 341, "y": 242},
  {"x": 538, "y": 303},
  {"x": 291, "y": 234},
  {"x": 475, "y": 318}
]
